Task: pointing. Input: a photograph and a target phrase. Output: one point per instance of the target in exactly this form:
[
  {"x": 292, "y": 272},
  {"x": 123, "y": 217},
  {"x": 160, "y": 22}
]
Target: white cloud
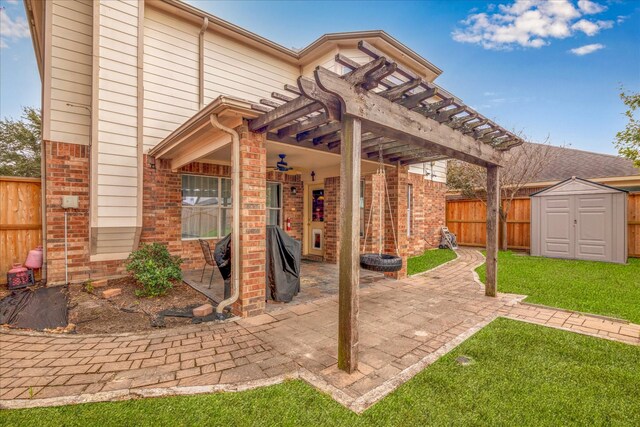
[
  {"x": 12, "y": 29},
  {"x": 587, "y": 49},
  {"x": 590, "y": 8},
  {"x": 529, "y": 23}
]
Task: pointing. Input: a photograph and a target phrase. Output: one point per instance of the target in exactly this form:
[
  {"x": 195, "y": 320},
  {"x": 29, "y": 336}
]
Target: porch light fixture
[
  {"x": 294, "y": 191},
  {"x": 313, "y": 175}
]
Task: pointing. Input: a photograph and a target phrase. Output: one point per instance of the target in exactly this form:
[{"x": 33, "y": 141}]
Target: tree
[
  {"x": 20, "y": 144},
  {"x": 628, "y": 140},
  {"x": 521, "y": 165}
]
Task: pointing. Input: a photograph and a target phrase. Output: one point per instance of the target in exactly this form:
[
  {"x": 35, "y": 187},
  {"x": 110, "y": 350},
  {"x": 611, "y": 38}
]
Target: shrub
[{"x": 154, "y": 268}]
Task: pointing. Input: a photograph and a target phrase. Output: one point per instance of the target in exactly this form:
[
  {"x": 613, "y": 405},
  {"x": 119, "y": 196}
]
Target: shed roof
[{"x": 575, "y": 185}]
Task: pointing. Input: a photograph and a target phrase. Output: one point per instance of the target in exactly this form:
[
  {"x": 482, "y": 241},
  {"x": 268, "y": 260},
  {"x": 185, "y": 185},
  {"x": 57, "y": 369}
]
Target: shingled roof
[{"x": 568, "y": 162}]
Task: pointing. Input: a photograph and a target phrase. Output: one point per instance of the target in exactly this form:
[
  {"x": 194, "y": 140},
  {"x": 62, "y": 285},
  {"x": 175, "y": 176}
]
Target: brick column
[
  {"x": 331, "y": 219},
  {"x": 253, "y": 193},
  {"x": 397, "y": 186}
]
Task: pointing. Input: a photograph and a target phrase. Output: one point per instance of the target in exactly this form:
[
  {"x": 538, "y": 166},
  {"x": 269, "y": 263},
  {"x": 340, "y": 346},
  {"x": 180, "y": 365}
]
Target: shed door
[
  {"x": 593, "y": 227},
  {"x": 557, "y": 227}
]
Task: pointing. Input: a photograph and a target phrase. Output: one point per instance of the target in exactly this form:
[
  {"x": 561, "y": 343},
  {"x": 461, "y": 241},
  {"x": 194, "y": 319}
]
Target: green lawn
[
  {"x": 592, "y": 287},
  {"x": 521, "y": 374},
  {"x": 429, "y": 259}
]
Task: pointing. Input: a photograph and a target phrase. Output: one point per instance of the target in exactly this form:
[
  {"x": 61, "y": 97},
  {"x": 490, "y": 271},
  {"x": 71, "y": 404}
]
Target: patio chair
[{"x": 208, "y": 260}]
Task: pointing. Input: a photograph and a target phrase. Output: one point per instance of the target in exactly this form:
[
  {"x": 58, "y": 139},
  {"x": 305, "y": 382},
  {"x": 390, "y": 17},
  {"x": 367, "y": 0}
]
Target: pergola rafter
[{"x": 382, "y": 109}]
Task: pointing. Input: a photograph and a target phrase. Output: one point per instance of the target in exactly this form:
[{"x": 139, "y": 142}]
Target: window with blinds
[{"x": 206, "y": 207}]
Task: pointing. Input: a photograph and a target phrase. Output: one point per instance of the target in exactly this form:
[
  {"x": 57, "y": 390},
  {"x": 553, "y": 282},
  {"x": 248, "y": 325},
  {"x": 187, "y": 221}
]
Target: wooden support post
[
  {"x": 493, "y": 204},
  {"x": 349, "y": 244}
]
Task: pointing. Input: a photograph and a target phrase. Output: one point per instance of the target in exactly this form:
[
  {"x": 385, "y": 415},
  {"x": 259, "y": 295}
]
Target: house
[{"x": 163, "y": 123}]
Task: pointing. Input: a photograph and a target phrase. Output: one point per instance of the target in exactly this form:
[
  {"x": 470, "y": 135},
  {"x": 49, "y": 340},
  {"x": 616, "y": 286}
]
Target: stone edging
[{"x": 582, "y": 313}]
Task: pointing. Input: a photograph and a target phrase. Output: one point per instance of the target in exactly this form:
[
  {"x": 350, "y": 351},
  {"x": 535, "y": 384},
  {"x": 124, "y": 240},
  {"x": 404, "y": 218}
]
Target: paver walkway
[{"x": 404, "y": 326}]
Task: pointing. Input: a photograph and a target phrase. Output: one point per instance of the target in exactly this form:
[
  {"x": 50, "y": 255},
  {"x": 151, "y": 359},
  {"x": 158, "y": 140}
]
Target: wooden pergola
[{"x": 382, "y": 108}]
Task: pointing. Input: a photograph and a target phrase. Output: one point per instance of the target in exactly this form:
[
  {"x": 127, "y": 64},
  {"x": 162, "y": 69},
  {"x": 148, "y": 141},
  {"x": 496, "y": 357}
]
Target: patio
[
  {"x": 318, "y": 280},
  {"x": 404, "y": 326}
]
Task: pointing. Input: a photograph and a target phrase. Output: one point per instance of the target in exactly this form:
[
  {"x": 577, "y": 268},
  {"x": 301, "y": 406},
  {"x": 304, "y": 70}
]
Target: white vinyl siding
[
  {"x": 71, "y": 65},
  {"x": 433, "y": 171},
  {"x": 171, "y": 86},
  {"x": 117, "y": 115},
  {"x": 234, "y": 69},
  {"x": 170, "y": 74}
]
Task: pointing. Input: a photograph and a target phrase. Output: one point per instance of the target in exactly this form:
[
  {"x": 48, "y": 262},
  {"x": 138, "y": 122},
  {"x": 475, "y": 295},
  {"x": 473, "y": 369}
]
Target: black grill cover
[
  {"x": 283, "y": 265},
  {"x": 222, "y": 256}
]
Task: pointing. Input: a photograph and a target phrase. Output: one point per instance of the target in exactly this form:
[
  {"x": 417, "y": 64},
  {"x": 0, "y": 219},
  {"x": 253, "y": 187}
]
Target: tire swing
[{"x": 381, "y": 262}]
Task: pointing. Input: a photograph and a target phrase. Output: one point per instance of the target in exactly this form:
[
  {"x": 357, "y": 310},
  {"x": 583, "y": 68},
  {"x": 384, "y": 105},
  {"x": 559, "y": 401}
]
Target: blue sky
[{"x": 544, "y": 68}]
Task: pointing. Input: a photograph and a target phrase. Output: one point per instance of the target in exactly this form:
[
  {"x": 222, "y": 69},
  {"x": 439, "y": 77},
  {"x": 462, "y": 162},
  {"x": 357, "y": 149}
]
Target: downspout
[
  {"x": 235, "y": 201},
  {"x": 203, "y": 29}
]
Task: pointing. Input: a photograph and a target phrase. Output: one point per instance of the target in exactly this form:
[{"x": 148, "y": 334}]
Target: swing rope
[{"x": 381, "y": 172}]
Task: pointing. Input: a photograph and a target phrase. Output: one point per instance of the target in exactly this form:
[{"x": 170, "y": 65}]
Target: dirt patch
[{"x": 127, "y": 312}]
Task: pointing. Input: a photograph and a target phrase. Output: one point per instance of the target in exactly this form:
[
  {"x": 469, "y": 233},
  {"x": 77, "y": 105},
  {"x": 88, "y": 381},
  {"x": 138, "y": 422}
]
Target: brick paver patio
[{"x": 404, "y": 326}]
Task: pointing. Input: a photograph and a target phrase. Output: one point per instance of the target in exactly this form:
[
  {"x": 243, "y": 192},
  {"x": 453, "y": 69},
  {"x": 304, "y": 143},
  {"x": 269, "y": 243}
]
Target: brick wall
[
  {"x": 67, "y": 174},
  {"x": 162, "y": 209},
  {"x": 292, "y": 205},
  {"x": 429, "y": 206},
  {"x": 428, "y": 213}
]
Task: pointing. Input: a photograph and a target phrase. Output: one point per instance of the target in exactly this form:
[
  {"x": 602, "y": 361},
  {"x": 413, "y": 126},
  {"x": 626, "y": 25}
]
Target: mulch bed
[{"x": 92, "y": 314}]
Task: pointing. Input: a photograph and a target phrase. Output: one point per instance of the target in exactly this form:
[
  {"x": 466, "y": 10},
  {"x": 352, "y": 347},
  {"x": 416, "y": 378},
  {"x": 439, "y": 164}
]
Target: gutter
[{"x": 235, "y": 197}]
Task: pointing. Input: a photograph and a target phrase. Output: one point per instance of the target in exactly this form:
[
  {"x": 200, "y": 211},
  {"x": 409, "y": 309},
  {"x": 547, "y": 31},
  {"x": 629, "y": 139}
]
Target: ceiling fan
[{"x": 283, "y": 166}]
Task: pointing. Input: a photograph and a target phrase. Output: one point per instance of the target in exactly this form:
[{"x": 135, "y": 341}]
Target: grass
[
  {"x": 588, "y": 286},
  {"x": 522, "y": 374},
  {"x": 429, "y": 259}
]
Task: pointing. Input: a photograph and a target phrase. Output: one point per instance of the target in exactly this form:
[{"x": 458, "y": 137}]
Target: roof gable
[{"x": 576, "y": 185}]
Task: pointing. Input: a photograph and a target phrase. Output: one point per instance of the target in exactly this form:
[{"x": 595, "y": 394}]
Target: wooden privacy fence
[
  {"x": 467, "y": 219},
  {"x": 20, "y": 220}
]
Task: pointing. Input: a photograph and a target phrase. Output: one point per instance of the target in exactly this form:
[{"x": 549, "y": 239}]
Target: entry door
[
  {"x": 557, "y": 226},
  {"x": 315, "y": 220},
  {"x": 593, "y": 227}
]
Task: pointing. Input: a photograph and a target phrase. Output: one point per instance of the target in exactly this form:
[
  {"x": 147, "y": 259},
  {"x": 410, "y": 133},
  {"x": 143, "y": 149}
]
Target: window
[
  {"x": 274, "y": 203},
  {"x": 206, "y": 207},
  {"x": 409, "y": 208},
  {"x": 362, "y": 224}
]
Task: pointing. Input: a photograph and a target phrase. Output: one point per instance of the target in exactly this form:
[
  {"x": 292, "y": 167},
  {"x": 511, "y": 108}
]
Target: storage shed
[{"x": 579, "y": 219}]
